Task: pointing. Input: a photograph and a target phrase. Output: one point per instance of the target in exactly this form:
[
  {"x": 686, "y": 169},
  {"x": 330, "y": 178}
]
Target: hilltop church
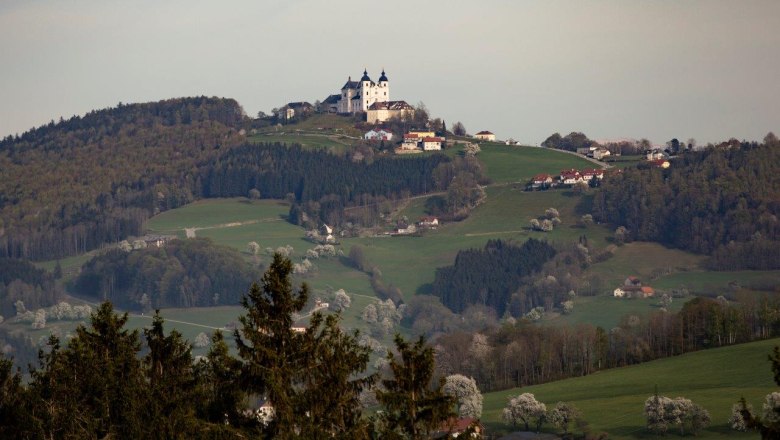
[{"x": 369, "y": 97}]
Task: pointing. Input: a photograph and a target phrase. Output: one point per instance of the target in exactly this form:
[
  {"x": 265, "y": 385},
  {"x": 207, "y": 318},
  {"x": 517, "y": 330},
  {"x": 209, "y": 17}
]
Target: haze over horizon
[{"x": 526, "y": 69}]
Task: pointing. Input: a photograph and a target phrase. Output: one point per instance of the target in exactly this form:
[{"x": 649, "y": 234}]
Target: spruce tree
[
  {"x": 171, "y": 382},
  {"x": 274, "y": 355},
  {"x": 220, "y": 393},
  {"x": 312, "y": 379},
  {"x": 414, "y": 406}
]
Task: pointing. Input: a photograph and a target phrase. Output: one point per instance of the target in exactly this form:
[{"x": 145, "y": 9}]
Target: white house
[
  {"x": 600, "y": 153},
  {"x": 382, "y": 111},
  {"x": 411, "y": 142},
  {"x": 485, "y": 136},
  {"x": 428, "y": 222},
  {"x": 432, "y": 143},
  {"x": 378, "y": 135},
  {"x": 357, "y": 96}
]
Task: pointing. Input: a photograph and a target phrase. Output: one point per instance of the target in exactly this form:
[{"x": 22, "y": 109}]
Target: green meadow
[{"x": 612, "y": 401}]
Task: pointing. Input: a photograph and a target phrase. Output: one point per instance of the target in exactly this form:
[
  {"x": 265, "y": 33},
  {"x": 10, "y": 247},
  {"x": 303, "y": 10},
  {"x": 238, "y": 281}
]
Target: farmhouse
[
  {"x": 485, "y": 136},
  {"x": 432, "y": 143},
  {"x": 590, "y": 174},
  {"x": 378, "y": 135},
  {"x": 382, "y": 111},
  {"x": 428, "y": 222},
  {"x": 632, "y": 288},
  {"x": 292, "y": 109},
  {"x": 541, "y": 180},
  {"x": 570, "y": 177},
  {"x": 600, "y": 153}
]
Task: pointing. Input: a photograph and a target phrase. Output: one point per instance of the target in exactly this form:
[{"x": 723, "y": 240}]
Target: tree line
[
  {"x": 522, "y": 353},
  {"x": 721, "y": 202},
  {"x": 111, "y": 382},
  {"x": 183, "y": 273},
  {"x": 490, "y": 276},
  {"x": 23, "y": 281}
]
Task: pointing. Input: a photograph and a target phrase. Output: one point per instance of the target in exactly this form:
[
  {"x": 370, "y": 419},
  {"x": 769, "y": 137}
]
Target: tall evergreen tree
[
  {"x": 274, "y": 354},
  {"x": 220, "y": 392},
  {"x": 171, "y": 406},
  {"x": 414, "y": 406}
]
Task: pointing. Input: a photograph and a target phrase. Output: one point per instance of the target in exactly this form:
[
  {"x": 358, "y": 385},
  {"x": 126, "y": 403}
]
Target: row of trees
[
  {"x": 522, "y": 353},
  {"x": 721, "y": 202},
  {"x": 23, "y": 281},
  {"x": 311, "y": 382}
]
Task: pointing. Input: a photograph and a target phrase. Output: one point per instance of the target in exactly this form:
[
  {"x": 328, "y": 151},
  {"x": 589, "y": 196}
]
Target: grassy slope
[{"x": 613, "y": 400}]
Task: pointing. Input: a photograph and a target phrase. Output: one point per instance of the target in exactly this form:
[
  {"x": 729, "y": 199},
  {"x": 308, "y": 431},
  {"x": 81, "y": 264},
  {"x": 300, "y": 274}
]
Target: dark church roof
[
  {"x": 332, "y": 99},
  {"x": 350, "y": 84},
  {"x": 383, "y": 77},
  {"x": 365, "y": 76}
]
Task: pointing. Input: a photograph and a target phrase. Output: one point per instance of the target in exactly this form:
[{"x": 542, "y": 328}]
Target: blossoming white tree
[
  {"x": 466, "y": 393},
  {"x": 526, "y": 409}
]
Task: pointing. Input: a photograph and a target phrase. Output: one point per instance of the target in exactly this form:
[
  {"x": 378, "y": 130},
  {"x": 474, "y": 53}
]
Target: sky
[{"x": 655, "y": 69}]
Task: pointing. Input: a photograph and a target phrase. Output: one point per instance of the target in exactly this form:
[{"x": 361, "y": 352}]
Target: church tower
[{"x": 383, "y": 93}]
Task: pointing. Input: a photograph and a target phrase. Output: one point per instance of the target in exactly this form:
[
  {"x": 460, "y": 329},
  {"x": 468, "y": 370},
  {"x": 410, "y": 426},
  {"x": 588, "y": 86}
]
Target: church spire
[{"x": 383, "y": 77}]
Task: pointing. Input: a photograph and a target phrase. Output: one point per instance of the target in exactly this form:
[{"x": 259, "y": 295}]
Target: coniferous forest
[{"x": 491, "y": 275}]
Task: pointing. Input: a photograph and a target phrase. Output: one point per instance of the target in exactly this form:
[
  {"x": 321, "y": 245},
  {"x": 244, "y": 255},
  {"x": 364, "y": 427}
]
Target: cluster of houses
[
  {"x": 632, "y": 288},
  {"x": 596, "y": 152},
  {"x": 428, "y": 222},
  {"x": 420, "y": 140},
  {"x": 566, "y": 177}
]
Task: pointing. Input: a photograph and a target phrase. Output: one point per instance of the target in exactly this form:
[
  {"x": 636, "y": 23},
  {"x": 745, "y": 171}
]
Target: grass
[
  {"x": 612, "y": 401},
  {"x": 511, "y": 163}
]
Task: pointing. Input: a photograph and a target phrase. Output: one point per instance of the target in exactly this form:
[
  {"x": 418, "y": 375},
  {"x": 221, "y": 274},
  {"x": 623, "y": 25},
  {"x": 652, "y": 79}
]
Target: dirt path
[{"x": 192, "y": 232}]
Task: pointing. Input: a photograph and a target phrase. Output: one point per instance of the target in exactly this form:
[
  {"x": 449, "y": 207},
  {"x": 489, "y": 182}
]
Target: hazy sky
[{"x": 524, "y": 69}]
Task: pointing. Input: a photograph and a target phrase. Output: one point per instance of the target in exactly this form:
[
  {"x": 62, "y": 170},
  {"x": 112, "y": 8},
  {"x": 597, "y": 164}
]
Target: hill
[
  {"x": 68, "y": 187},
  {"x": 612, "y": 401}
]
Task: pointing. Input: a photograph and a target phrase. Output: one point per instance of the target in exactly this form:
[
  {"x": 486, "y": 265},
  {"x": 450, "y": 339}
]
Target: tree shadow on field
[
  {"x": 585, "y": 205},
  {"x": 424, "y": 289}
]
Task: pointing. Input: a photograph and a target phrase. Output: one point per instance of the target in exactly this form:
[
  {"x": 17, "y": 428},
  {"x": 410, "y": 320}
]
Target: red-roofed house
[
  {"x": 411, "y": 142},
  {"x": 454, "y": 427},
  {"x": 660, "y": 163},
  {"x": 432, "y": 143},
  {"x": 570, "y": 177},
  {"x": 588, "y": 175},
  {"x": 541, "y": 180}
]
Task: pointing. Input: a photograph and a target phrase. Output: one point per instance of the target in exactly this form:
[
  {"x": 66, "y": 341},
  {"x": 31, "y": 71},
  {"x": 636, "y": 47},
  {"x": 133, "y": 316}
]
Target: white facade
[{"x": 357, "y": 96}]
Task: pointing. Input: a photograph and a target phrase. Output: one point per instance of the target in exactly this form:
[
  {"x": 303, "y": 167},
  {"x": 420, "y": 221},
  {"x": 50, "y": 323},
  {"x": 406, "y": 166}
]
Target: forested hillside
[
  {"x": 321, "y": 183},
  {"x": 67, "y": 187},
  {"x": 723, "y": 202},
  {"x": 185, "y": 273}
]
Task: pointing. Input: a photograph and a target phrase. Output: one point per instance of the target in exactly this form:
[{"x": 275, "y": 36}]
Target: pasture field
[
  {"x": 646, "y": 260},
  {"x": 612, "y": 401},
  {"x": 335, "y": 144},
  {"x": 606, "y": 311},
  {"x": 720, "y": 282},
  {"x": 512, "y": 163}
]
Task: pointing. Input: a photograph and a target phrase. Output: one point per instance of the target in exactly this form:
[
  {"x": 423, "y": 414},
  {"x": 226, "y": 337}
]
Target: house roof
[
  {"x": 484, "y": 132},
  {"x": 647, "y": 289},
  {"x": 391, "y": 105},
  {"x": 432, "y": 139},
  {"x": 332, "y": 99},
  {"x": 658, "y": 162},
  {"x": 456, "y": 424},
  {"x": 541, "y": 177},
  {"x": 298, "y": 104}
]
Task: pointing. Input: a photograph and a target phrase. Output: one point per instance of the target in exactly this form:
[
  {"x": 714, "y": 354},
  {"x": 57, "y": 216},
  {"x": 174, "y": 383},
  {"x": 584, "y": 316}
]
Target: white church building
[{"x": 367, "y": 96}]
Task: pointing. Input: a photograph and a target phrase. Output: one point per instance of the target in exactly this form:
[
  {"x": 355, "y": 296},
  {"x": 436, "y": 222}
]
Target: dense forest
[
  {"x": 322, "y": 184},
  {"x": 491, "y": 275},
  {"x": 22, "y": 281},
  {"x": 70, "y": 186},
  {"x": 184, "y": 273},
  {"x": 525, "y": 353},
  {"x": 723, "y": 202}
]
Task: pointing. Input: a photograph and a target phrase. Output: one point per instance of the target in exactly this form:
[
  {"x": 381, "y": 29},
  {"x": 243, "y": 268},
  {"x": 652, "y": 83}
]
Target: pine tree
[
  {"x": 220, "y": 392},
  {"x": 414, "y": 407}
]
